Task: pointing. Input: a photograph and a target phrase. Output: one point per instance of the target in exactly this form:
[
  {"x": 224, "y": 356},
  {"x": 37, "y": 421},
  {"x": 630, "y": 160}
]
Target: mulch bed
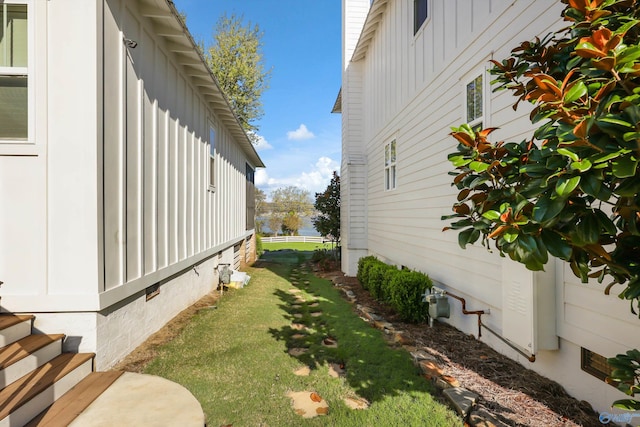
[{"x": 511, "y": 393}]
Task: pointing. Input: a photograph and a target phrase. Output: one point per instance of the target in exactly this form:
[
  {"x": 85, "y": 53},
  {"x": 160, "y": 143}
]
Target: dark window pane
[
  {"x": 419, "y": 14},
  {"x": 13, "y": 35},
  {"x": 13, "y": 107}
]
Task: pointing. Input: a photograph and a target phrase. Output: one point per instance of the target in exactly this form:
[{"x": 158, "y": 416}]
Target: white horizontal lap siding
[
  {"x": 412, "y": 91},
  {"x": 159, "y": 213},
  {"x": 589, "y": 318}
]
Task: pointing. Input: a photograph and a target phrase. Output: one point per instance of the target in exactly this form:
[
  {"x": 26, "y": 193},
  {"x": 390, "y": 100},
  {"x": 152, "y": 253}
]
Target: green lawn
[
  {"x": 235, "y": 358},
  {"x": 298, "y": 246}
]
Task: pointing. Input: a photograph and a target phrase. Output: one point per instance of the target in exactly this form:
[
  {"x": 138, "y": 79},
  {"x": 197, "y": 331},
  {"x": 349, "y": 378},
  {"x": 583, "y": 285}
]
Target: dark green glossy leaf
[
  {"x": 470, "y": 235},
  {"x": 565, "y": 186},
  {"x": 582, "y": 166},
  {"x": 556, "y": 244},
  {"x": 588, "y": 229},
  {"x": 547, "y": 208},
  {"x": 625, "y": 167},
  {"x": 576, "y": 91}
]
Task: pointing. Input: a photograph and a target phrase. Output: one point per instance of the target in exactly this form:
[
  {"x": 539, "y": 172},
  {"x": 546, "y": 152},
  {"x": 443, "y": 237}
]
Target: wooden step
[
  {"x": 21, "y": 357},
  {"x": 76, "y": 400},
  {"x": 14, "y": 327},
  {"x": 25, "y": 398}
]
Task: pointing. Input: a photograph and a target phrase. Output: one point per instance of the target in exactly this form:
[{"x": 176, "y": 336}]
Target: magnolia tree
[
  {"x": 572, "y": 190},
  {"x": 327, "y": 203}
]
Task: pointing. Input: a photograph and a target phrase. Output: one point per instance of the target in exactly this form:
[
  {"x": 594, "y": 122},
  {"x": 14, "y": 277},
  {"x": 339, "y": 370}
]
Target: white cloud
[
  {"x": 314, "y": 181},
  {"x": 300, "y": 134},
  {"x": 261, "y": 143}
]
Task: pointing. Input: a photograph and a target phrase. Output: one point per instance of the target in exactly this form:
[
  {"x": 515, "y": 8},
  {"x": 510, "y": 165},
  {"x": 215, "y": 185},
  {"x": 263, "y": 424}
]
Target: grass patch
[
  {"x": 235, "y": 358},
  {"x": 296, "y": 246}
]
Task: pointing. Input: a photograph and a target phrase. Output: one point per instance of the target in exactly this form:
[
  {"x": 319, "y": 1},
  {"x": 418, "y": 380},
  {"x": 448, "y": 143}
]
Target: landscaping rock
[
  {"x": 356, "y": 403},
  {"x": 430, "y": 368},
  {"x": 402, "y": 339},
  {"x": 308, "y": 404},
  {"x": 303, "y": 371},
  {"x": 381, "y": 324},
  {"x": 297, "y": 351},
  {"x": 337, "y": 370},
  {"x": 482, "y": 418},
  {"x": 330, "y": 342},
  {"x": 462, "y": 399}
]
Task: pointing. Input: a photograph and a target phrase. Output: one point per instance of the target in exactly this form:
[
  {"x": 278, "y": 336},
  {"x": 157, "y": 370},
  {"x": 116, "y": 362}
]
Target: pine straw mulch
[{"x": 511, "y": 393}]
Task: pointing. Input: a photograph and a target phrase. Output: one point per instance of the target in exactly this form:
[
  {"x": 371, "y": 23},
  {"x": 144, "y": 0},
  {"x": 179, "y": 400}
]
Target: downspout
[{"x": 530, "y": 357}]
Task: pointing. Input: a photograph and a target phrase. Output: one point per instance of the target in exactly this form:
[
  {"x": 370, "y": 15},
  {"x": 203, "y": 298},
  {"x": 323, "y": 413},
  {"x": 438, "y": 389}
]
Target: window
[
  {"x": 474, "y": 102},
  {"x": 212, "y": 156},
  {"x": 594, "y": 364},
  {"x": 14, "y": 73},
  {"x": 390, "y": 165},
  {"x": 420, "y": 13},
  {"x": 251, "y": 197}
]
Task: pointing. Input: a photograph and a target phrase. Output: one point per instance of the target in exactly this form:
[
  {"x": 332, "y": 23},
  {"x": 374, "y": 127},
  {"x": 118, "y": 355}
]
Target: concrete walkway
[{"x": 142, "y": 401}]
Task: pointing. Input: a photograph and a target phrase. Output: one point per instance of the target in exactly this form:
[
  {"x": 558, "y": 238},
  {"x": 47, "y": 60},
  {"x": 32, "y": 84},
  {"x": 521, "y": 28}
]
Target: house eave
[
  {"x": 375, "y": 15},
  {"x": 166, "y": 17}
]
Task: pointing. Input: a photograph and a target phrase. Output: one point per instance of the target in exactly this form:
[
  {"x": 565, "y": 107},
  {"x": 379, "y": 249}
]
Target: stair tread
[
  {"x": 21, "y": 391},
  {"x": 76, "y": 400},
  {"x": 20, "y": 349},
  {"x": 7, "y": 320}
]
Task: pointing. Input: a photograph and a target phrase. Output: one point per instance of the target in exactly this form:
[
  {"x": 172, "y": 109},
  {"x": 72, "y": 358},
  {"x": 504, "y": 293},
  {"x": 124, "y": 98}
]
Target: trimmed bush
[
  {"x": 402, "y": 289},
  {"x": 377, "y": 275},
  {"x": 364, "y": 264},
  {"x": 405, "y": 295}
]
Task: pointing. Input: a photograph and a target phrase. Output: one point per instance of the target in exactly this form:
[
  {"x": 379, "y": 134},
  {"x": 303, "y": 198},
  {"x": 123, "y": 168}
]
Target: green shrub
[
  {"x": 385, "y": 289},
  {"x": 405, "y": 294},
  {"x": 377, "y": 276},
  {"x": 364, "y": 264}
]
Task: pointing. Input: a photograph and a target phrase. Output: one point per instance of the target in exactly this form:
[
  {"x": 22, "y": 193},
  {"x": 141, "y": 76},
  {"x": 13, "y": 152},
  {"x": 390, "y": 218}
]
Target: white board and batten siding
[
  {"x": 410, "y": 88},
  {"x": 160, "y": 213}
]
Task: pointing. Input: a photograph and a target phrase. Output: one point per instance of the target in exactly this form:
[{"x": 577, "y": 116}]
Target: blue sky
[{"x": 300, "y": 138}]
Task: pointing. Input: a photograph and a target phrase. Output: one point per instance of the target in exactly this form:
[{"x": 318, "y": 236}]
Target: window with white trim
[
  {"x": 390, "y": 157},
  {"x": 474, "y": 102},
  {"x": 212, "y": 156},
  {"x": 14, "y": 71}
]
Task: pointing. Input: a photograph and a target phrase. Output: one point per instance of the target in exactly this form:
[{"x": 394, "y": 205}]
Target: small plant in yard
[
  {"x": 406, "y": 289},
  {"x": 364, "y": 264},
  {"x": 402, "y": 289},
  {"x": 572, "y": 191}
]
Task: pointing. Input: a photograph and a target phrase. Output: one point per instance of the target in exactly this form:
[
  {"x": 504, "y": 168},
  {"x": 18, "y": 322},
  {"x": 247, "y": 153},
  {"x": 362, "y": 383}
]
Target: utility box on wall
[{"x": 529, "y": 306}]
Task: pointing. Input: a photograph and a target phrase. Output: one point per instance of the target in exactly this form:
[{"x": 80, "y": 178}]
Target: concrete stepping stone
[
  {"x": 294, "y": 291},
  {"x": 330, "y": 342},
  {"x": 336, "y": 370},
  {"x": 356, "y": 403},
  {"x": 298, "y": 336},
  {"x": 298, "y": 327},
  {"x": 308, "y": 404},
  {"x": 462, "y": 399},
  {"x": 314, "y": 304},
  {"x": 296, "y": 306},
  {"x": 297, "y": 351},
  {"x": 298, "y": 315},
  {"x": 430, "y": 368},
  {"x": 316, "y": 314},
  {"x": 300, "y": 300},
  {"x": 304, "y": 371}
]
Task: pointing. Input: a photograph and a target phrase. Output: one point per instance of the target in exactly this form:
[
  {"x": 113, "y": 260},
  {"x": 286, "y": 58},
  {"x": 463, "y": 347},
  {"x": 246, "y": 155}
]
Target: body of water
[{"x": 306, "y": 230}]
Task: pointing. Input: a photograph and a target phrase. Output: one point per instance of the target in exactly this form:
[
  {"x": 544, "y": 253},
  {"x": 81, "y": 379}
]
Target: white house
[
  {"x": 125, "y": 178},
  {"x": 408, "y": 68}
]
